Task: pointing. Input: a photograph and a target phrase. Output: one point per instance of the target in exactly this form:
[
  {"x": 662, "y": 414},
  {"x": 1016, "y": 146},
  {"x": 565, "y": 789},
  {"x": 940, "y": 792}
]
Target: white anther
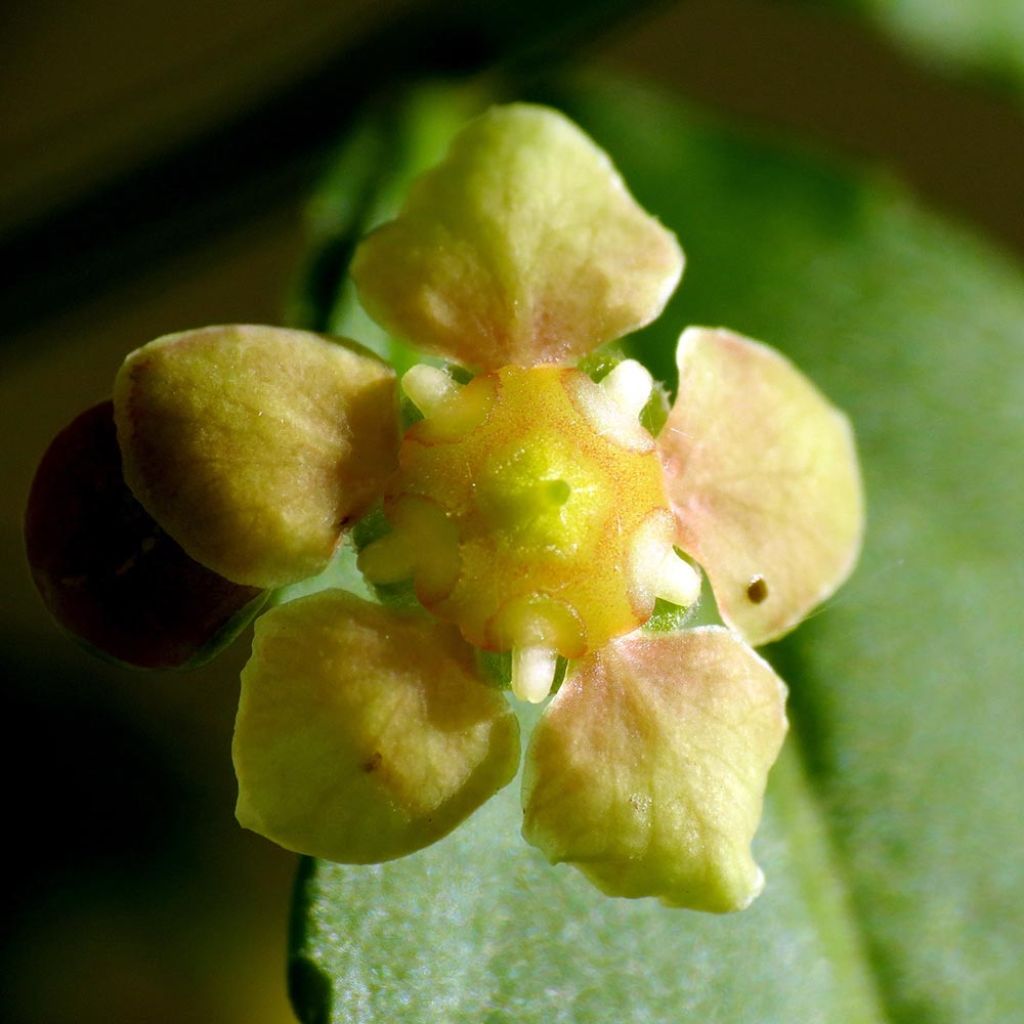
[
  {"x": 657, "y": 571},
  {"x": 533, "y": 672},
  {"x": 428, "y": 387},
  {"x": 675, "y": 580},
  {"x": 629, "y": 387}
]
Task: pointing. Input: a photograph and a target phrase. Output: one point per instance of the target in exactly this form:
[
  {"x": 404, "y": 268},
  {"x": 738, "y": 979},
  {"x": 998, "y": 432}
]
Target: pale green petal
[
  {"x": 363, "y": 733},
  {"x": 648, "y": 770},
  {"x": 254, "y": 446},
  {"x": 522, "y": 247},
  {"x": 762, "y": 473}
]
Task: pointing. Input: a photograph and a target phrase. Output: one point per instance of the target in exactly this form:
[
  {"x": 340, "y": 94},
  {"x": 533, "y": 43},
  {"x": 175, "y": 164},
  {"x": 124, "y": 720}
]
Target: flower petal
[
  {"x": 522, "y": 247},
  {"x": 762, "y": 473},
  {"x": 364, "y": 734},
  {"x": 108, "y": 573},
  {"x": 254, "y": 446},
  {"x": 648, "y": 770}
]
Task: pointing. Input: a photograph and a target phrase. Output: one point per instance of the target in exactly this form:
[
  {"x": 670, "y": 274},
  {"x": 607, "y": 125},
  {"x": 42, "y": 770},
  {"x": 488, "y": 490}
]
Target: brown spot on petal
[{"x": 757, "y": 590}]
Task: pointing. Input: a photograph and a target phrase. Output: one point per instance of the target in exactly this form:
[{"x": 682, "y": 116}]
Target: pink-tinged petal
[
  {"x": 253, "y": 447},
  {"x": 763, "y": 477},
  {"x": 107, "y": 572},
  {"x": 364, "y": 734},
  {"x": 647, "y": 771},
  {"x": 522, "y": 247}
]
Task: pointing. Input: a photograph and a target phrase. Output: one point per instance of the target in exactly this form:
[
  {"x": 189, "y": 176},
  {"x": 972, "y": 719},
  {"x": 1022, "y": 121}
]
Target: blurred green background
[{"x": 132, "y": 896}]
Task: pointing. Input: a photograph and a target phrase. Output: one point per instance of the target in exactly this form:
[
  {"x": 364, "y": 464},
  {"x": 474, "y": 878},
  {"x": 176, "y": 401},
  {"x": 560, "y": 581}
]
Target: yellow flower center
[{"x": 530, "y": 510}]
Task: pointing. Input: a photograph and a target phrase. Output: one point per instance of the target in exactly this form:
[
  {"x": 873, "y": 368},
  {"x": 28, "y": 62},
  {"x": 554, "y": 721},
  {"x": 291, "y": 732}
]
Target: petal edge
[
  {"x": 364, "y": 734},
  {"x": 521, "y": 247},
  {"x": 762, "y": 474},
  {"x": 254, "y": 446},
  {"x": 647, "y": 771}
]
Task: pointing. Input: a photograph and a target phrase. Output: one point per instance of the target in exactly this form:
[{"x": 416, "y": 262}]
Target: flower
[{"x": 531, "y": 512}]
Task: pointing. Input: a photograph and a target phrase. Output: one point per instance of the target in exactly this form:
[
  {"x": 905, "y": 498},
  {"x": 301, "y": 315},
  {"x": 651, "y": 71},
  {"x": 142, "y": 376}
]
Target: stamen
[
  {"x": 538, "y": 622},
  {"x": 657, "y": 570},
  {"x": 613, "y": 406},
  {"x": 676, "y": 581},
  {"x": 629, "y": 386},
  {"x": 533, "y": 672},
  {"x": 428, "y": 388}
]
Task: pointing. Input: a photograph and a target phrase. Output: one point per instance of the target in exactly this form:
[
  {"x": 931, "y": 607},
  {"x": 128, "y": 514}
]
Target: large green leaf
[
  {"x": 905, "y": 690},
  {"x": 893, "y": 831}
]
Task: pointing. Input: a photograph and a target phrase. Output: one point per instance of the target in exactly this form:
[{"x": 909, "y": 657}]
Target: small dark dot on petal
[
  {"x": 757, "y": 590},
  {"x": 373, "y": 762}
]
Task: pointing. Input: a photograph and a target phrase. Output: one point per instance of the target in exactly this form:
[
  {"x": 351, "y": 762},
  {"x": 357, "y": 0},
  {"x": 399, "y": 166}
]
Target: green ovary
[
  {"x": 519, "y": 519},
  {"x": 532, "y": 500}
]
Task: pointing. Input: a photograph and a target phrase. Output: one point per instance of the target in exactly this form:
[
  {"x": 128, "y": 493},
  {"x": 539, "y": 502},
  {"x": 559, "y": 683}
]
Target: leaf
[
  {"x": 904, "y": 691},
  {"x": 482, "y": 928},
  {"x": 365, "y": 185},
  {"x": 892, "y": 832},
  {"x": 982, "y": 36}
]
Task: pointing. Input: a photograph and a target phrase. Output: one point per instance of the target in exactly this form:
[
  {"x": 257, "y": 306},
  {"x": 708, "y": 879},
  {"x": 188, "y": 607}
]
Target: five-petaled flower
[{"x": 530, "y": 510}]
